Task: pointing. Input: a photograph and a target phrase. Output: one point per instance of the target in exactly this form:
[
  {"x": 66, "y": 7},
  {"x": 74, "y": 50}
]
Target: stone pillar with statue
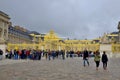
[{"x": 119, "y": 32}]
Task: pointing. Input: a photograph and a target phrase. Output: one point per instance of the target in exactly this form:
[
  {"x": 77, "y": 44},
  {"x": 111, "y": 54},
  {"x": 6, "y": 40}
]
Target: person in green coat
[{"x": 97, "y": 59}]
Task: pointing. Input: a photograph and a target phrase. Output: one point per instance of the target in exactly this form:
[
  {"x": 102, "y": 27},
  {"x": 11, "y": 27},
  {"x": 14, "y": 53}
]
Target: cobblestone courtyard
[{"x": 58, "y": 69}]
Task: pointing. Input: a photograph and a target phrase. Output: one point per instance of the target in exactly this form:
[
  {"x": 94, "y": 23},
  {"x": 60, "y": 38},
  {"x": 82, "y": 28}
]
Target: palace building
[
  {"x": 16, "y": 37},
  {"x": 19, "y": 37}
]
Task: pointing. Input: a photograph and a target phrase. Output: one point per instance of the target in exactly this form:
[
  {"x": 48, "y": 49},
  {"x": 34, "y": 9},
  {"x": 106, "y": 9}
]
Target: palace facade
[{"x": 16, "y": 37}]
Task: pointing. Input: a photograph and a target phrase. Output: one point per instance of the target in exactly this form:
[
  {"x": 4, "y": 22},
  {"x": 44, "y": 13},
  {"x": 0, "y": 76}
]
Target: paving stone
[{"x": 58, "y": 69}]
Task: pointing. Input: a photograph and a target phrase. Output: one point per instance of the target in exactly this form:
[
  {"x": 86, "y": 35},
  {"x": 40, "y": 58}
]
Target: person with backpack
[{"x": 97, "y": 59}]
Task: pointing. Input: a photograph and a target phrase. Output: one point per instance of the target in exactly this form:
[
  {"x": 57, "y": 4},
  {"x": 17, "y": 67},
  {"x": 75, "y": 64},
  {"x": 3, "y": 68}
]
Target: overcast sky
[{"x": 78, "y": 19}]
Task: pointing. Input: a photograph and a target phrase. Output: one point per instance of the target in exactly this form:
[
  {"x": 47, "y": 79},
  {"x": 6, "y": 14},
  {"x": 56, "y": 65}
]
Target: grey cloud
[{"x": 69, "y": 18}]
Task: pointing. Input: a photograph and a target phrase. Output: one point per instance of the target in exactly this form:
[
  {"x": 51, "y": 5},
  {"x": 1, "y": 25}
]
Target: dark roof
[
  {"x": 114, "y": 33},
  {"x": 34, "y": 32}
]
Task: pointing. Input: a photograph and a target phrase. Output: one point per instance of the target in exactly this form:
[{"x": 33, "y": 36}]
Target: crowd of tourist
[
  {"x": 33, "y": 54},
  {"x": 38, "y": 54}
]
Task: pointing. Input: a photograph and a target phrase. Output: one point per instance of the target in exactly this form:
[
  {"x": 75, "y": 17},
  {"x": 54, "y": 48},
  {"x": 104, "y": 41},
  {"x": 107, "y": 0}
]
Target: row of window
[
  {"x": 15, "y": 39},
  {"x": 16, "y": 32}
]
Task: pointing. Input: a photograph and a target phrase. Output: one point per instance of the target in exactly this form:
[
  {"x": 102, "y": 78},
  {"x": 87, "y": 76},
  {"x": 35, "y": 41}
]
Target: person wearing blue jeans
[{"x": 85, "y": 57}]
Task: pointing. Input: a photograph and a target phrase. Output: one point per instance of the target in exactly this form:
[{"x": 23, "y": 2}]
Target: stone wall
[{"x": 106, "y": 47}]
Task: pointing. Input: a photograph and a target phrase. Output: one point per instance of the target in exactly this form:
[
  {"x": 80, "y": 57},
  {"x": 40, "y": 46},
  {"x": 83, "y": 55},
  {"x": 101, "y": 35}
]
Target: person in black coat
[
  {"x": 1, "y": 53},
  {"x": 85, "y": 57},
  {"x": 104, "y": 60}
]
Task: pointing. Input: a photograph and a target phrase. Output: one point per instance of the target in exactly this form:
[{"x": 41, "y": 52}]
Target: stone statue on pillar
[{"x": 119, "y": 32}]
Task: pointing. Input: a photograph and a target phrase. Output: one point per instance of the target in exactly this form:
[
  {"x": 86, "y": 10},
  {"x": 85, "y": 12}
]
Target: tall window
[
  {"x": 0, "y": 32},
  {"x": 5, "y": 33}
]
